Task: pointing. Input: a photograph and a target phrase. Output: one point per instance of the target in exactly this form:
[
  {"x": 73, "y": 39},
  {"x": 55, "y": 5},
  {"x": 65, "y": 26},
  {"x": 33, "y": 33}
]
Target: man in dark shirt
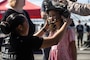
[
  {"x": 45, "y": 5},
  {"x": 87, "y": 30},
  {"x": 80, "y": 30},
  {"x": 87, "y": 43}
]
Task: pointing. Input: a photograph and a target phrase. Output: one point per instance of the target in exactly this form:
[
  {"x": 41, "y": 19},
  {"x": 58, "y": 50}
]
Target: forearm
[
  {"x": 40, "y": 32},
  {"x": 60, "y": 33},
  {"x": 79, "y": 8}
]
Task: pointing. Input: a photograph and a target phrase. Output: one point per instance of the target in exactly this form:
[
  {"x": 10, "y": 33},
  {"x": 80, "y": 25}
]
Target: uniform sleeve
[
  {"x": 79, "y": 8},
  {"x": 35, "y": 42}
]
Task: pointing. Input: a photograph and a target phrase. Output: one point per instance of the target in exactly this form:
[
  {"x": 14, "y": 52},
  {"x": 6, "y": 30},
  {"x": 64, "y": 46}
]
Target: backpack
[{"x": 80, "y": 28}]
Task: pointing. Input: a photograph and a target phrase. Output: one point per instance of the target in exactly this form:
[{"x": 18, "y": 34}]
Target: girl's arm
[{"x": 42, "y": 30}]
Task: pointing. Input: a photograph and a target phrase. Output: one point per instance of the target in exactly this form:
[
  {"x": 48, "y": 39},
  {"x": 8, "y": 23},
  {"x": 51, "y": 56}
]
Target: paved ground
[{"x": 81, "y": 55}]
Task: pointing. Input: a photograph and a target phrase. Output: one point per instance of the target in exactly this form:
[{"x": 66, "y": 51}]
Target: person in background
[
  {"x": 44, "y": 7},
  {"x": 16, "y": 6},
  {"x": 19, "y": 44},
  {"x": 45, "y": 50},
  {"x": 87, "y": 42},
  {"x": 87, "y": 29},
  {"x": 72, "y": 25},
  {"x": 80, "y": 32},
  {"x": 66, "y": 48}
]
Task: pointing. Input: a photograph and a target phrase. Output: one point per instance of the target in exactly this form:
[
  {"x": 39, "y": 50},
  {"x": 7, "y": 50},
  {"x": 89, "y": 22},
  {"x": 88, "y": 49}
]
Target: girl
[{"x": 65, "y": 49}]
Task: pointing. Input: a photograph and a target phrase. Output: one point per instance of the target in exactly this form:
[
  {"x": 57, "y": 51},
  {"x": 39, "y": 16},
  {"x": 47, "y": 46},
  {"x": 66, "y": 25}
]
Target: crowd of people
[
  {"x": 81, "y": 31},
  {"x": 21, "y": 40}
]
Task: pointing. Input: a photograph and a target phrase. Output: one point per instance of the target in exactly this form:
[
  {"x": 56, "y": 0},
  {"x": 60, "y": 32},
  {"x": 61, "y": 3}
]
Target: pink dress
[{"x": 61, "y": 51}]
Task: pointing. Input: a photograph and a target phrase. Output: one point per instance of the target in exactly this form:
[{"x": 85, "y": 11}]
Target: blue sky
[{"x": 84, "y": 1}]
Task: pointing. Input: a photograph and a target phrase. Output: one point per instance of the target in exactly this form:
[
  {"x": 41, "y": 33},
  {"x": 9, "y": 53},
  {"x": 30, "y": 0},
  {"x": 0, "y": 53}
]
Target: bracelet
[{"x": 44, "y": 30}]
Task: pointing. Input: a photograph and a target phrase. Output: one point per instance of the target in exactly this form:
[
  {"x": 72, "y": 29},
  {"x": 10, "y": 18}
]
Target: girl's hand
[
  {"x": 67, "y": 20},
  {"x": 46, "y": 25}
]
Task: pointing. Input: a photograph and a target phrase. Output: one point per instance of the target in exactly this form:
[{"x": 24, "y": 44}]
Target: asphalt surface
[{"x": 81, "y": 55}]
